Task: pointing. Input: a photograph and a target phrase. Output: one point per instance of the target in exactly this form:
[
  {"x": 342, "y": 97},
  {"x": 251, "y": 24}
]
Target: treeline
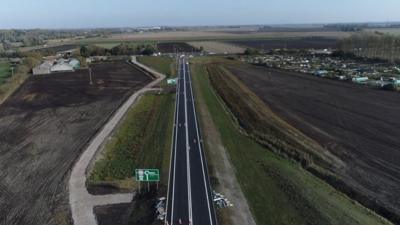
[
  {"x": 372, "y": 45},
  {"x": 122, "y": 49},
  {"x": 34, "y": 37},
  {"x": 347, "y": 27},
  {"x": 21, "y": 72}
]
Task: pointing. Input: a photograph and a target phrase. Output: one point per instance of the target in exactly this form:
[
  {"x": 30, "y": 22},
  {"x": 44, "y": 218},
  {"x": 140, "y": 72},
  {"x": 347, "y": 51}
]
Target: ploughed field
[
  {"x": 289, "y": 43},
  {"x": 172, "y": 47},
  {"x": 44, "y": 126},
  {"x": 360, "y": 126},
  {"x": 59, "y": 48}
]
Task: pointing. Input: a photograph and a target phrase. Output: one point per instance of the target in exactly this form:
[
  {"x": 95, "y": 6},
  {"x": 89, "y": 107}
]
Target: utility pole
[
  {"x": 90, "y": 76},
  {"x": 12, "y": 71}
]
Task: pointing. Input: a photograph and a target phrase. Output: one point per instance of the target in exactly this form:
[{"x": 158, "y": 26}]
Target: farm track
[
  {"x": 44, "y": 127},
  {"x": 358, "y": 125}
]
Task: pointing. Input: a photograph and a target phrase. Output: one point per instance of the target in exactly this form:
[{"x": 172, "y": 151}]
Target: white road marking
[
  {"x": 200, "y": 149},
  {"x": 176, "y": 138},
  {"x": 187, "y": 149}
]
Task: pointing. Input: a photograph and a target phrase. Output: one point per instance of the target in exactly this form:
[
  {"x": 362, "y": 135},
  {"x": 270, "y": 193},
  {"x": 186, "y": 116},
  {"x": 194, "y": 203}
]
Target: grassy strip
[
  {"x": 107, "y": 45},
  {"x": 4, "y": 71},
  {"x": 142, "y": 141},
  {"x": 165, "y": 65},
  {"x": 20, "y": 75},
  {"x": 278, "y": 190}
]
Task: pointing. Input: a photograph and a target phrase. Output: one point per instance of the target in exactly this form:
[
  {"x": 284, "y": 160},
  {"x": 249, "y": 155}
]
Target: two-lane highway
[{"x": 189, "y": 193}]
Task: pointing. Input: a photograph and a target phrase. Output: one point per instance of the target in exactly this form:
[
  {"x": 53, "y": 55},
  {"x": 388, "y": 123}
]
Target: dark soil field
[
  {"x": 358, "y": 125},
  {"x": 140, "y": 211},
  {"x": 55, "y": 49},
  {"x": 289, "y": 43},
  {"x": 44, "y": 126},
  {"x": 172, "y": 47}
]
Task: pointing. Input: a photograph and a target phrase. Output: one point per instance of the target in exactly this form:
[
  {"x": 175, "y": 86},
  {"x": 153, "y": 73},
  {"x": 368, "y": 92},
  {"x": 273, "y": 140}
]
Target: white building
[
  {"x": 44, "y": 68},
  {"x": 62, "y": 67}
]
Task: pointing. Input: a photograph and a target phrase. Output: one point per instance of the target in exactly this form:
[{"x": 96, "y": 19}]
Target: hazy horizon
[{"x": 61, "y": 14}]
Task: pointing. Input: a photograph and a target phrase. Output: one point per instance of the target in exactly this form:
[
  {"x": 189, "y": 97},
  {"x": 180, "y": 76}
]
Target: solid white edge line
[
  {"x": 189, "y": 183},
  {"x": 200, "y": 148},
  {"x": 176, "y": 138}
]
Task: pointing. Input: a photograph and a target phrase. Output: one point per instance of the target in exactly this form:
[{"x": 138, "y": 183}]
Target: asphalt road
[{"x": 189, "y": 193}]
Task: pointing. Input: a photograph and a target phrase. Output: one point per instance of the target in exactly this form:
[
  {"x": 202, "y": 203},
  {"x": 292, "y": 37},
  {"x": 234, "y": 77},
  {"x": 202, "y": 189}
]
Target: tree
[
  {"x": 148, "y": 50},
  {"x": 32, "y": 59},
  {"x": 82, "y": 61},
  {"x": 84, "y": 51},
  {"x": 251, "y": 51}
]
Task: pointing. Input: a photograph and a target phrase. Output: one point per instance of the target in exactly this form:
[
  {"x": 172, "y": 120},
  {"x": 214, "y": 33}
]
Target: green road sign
[{"x": 147, "y": 175}]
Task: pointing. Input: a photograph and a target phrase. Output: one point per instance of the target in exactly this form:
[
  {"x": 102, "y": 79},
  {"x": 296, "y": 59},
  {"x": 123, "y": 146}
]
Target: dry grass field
[{"x": 205, "y": 35}]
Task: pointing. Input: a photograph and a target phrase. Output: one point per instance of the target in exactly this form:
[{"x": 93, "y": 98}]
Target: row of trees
[
  {"x": 21, "y": 71},
  {"x": 372, "y": 45},
  {"x": 34, "y": 37},
  {"x": 122, "y": 49}
]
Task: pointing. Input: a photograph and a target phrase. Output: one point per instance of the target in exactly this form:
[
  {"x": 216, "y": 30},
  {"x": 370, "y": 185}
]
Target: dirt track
[
  {"x": 359, "y": 125},
  {"x": 43, "y": 129}
]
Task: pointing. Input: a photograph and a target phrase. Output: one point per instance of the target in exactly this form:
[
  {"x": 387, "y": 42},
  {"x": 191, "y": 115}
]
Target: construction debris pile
[
  {"x": 160, "y": 208},
  {"x": 220, "y": 201}
]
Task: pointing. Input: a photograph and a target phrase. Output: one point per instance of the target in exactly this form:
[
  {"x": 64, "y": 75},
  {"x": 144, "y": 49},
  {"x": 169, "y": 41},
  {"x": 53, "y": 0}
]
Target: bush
[{"x": 251, "y": 51}]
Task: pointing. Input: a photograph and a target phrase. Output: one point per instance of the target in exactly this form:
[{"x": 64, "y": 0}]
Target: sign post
[{"x": 149, "y": 175}]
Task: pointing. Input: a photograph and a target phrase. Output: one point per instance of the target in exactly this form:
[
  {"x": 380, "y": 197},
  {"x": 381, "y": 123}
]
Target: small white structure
[
  {"x": 359, "y": 79},
  {"x": 62, "y": 67},
  {"x": 74, "y": 63}
]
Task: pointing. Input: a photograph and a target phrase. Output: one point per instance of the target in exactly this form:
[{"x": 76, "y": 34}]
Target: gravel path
[{"x": 81, "y": 201}]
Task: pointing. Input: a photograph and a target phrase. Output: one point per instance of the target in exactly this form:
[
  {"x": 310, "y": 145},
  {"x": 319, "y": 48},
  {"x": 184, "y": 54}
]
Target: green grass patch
[
  {"x": 107, "y": 45},
  {"x": 278, "y": 191},
  {"x": 165, "y": 65},
  {"x": 5, "y": 71},
  {"x": 143, "y": 140}
]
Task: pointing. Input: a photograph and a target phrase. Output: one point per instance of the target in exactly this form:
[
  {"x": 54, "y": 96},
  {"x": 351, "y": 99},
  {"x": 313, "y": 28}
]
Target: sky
[{"x": 138, "y": 13}]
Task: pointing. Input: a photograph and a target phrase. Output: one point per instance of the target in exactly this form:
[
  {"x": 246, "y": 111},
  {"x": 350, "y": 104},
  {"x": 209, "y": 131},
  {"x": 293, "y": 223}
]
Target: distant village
[{"x": 323, "y": 63}]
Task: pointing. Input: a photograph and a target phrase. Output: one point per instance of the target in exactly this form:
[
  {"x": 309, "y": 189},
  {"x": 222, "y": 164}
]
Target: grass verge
[
  {"x": 4, "y": 71},
  {"x": 165, "y": 65},
  {"x": 143, "y": 140},
  {"x": 279, "y": 191}
]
